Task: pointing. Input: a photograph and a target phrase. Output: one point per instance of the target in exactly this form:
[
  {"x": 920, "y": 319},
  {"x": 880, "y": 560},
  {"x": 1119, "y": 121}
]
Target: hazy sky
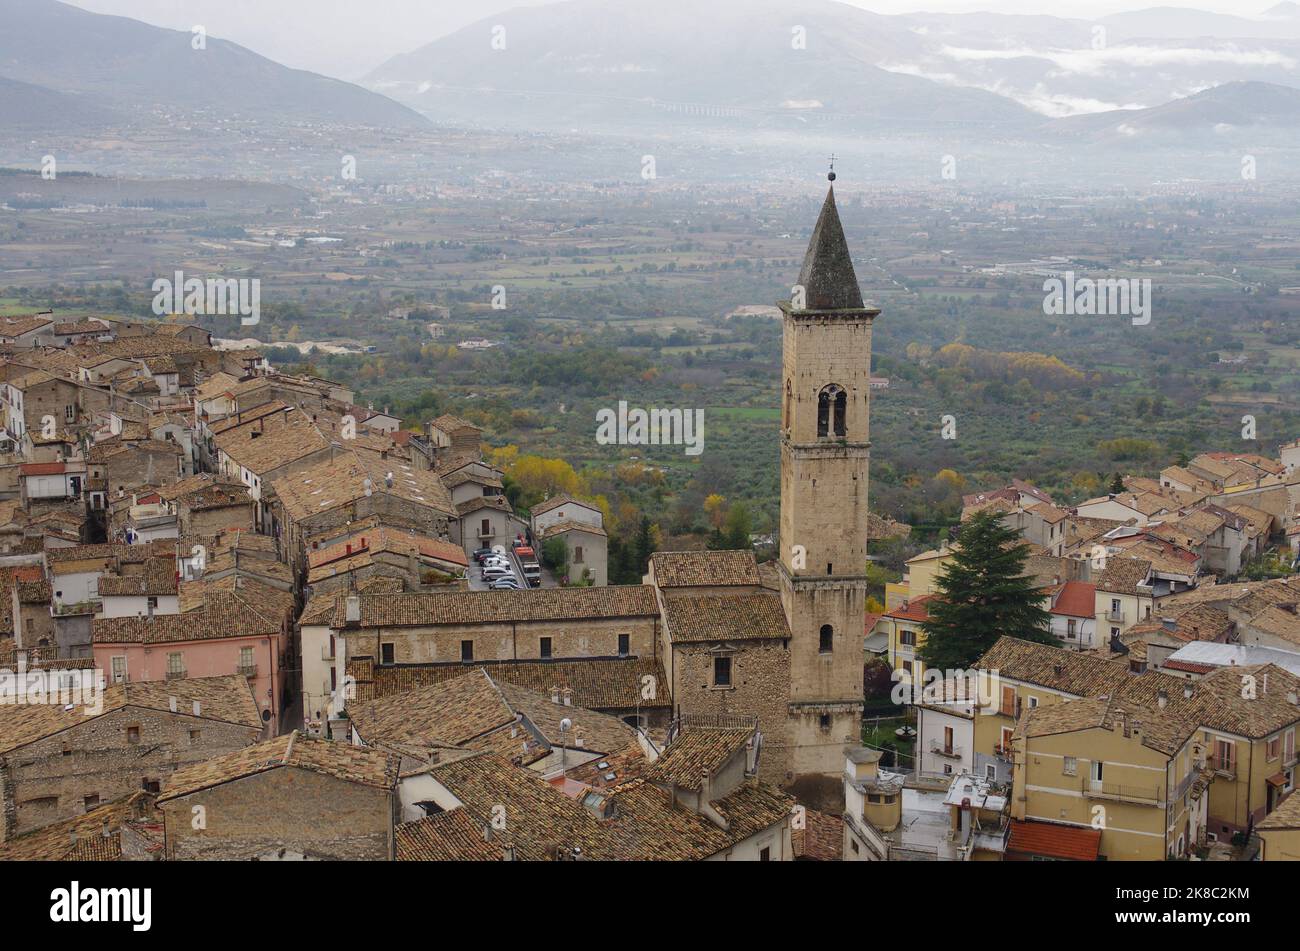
[{"x": 347, "y": 38}]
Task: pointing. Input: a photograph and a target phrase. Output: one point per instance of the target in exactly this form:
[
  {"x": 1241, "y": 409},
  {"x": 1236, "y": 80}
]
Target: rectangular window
[
  {"x": 466, "y": 650},
  {"x": 907, "y": 638},
  {"x": 1070, "y": 766},
  {"x": 1096, "y": 772},
  {"x": 175, "y": 665},
  {"x": 577, "y": 554},
  {"x": 119, "y": 670},
  {"x": 546, "y": 647},
  {"x": 133, "y": 735},
  {"x": 152, "y": 602},
  {"x": 245, "y": 658},
  {"x": 624, "y": 645},
  {"x": 1274, "y": 747},
  {"x": 91, "y": 801},
  {"x": 1008, "y": 708},
  {"x": 385, "y": 653},
  {"x": 765, "y": 855},
  {"x": 194, "y": 737},
  {"x": 722, "y": 671},
  {"x": 485, "y": 531}
]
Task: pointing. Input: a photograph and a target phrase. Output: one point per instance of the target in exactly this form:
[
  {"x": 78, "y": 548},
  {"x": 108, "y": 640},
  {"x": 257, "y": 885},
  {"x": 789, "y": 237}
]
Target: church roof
[{"x": 827, "y": 276}]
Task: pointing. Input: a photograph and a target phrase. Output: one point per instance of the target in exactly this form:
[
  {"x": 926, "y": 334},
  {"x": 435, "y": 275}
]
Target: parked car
[
  {"x": 481, "y": 554},
  {"x": 504, "y": 584},
  {"x": 493, "y": 572}
]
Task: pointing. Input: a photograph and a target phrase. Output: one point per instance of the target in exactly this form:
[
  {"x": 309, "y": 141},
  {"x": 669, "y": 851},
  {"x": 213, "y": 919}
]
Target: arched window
[
  {"x": 789, "y": 406},
  {"x": 832, "y": 411},
  {"x": 827, "y": 639}
]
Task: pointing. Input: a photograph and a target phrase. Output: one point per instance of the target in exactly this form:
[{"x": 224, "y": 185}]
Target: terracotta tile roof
[
  {"x": 1285, "y": 816},
  {"x": 220, "y": 698},
  {"x": 279, "y": 441},
  {"x": 913, "y": 609},
  {"x": 1221, "y": 705},
  {"x": 684, "y": 569},
  {"x": 1123, "y": 574},
  {"x": 1083, "y": 675},
  {"x": 450, "y": 424},
  {"x": 694, "y": 754},
  {"x": 235, "y": 600},
  {"x": 556, "y": 501},
  {"x": 597, "y": 683},
  {"x": 821, "y": 839},
  {"x": 1054, "y": 841},
  {"x": 158, "y": 578},
  {"x": 354, "y": 764},
  {"x": 329, "y": 485},
  {"x": 80, "y": 838},
  {"x": 646, "y": 825},
  {"x": 497, "y": 503},
  {"x": 568, "y": 525},
  {"x": 219, "y": 618},
  {"x": 446, "y": 837},
  {"x": 1198, "y": 622},
  {"x": 478, "y": 712},
  {"x": 725, "y": 617},
  {"x": 1076, "y": 599},
  {"x": 539, "y": 604}
]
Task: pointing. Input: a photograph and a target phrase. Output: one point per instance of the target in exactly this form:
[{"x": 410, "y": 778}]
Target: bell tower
[{"x": 825, "y": 446}]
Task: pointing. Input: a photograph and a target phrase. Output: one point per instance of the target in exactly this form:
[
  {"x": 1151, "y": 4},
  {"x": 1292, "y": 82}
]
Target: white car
[{"x": 495, "y": 572}]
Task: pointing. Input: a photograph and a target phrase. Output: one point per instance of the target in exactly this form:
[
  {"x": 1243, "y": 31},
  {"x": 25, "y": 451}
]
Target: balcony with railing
[
  {"x": 1116, "y": 615},
  {"x": 1224, "y": 766},
  {"x": 179, "y": 673},
  {"x": 939, "y": 748},
  {"x": 1119, "y": 792},
  {"x": 247, "y": 670}
]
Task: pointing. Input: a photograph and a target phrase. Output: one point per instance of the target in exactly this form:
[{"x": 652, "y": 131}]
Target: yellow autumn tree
[{"x": 715, "y": 509}]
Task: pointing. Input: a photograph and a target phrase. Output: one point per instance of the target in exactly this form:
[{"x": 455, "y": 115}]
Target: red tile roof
[
  {"x": 1077, "y": 599},
  {"x": 42, "y": 468},
  {"x": 1055, "y": 841},
  {"x": 914, "y": 609}
]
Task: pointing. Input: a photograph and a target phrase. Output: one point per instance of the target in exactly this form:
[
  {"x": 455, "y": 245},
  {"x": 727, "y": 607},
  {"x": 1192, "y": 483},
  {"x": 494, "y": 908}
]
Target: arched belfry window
[
  {"x": 826, "y": 640},
  {"x": 832, "y": 411}
]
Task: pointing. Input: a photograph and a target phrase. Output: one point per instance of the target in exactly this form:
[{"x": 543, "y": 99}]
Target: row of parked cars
[{"x": 499, "y": 570}]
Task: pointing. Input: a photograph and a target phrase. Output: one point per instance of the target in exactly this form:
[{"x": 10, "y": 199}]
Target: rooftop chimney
[
  {"x": 352, "y": 610},
  {"x": 197, "y": 709}
]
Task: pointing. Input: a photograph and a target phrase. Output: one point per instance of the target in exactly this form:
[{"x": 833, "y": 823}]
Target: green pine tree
[
  {"x": 1117, "y": 484},
  {"x": 983, "y": 594}
]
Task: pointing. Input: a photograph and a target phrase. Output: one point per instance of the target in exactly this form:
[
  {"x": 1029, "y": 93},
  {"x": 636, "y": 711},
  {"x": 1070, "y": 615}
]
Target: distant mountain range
[
  {"x": 1260, "y": 110},
  {"x": 55, "y": 57},
  {"x": 737, "y": 67},
  {"x": 608, "y": 65},
  {"x": 755, "y": 64}
]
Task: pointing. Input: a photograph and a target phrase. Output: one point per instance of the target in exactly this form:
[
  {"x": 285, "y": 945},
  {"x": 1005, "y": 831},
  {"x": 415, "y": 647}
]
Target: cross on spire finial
[{"x": 830, "y": 175}]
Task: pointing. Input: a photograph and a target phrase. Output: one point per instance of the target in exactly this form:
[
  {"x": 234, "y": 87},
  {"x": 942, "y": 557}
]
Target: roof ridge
[{"x": 288, "y": 750}]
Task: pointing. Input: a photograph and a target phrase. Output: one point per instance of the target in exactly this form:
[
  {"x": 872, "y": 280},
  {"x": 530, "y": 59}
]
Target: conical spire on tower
[{"x": 827, "y": 276}]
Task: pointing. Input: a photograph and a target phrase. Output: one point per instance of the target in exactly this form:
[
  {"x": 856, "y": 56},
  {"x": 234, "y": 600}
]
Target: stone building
[
  {"x": 726, "y": 645},
  {"x": 292, "y": 797},
  {"x": 825, "y": 447},
  {"x": 58, "y": 761}
]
